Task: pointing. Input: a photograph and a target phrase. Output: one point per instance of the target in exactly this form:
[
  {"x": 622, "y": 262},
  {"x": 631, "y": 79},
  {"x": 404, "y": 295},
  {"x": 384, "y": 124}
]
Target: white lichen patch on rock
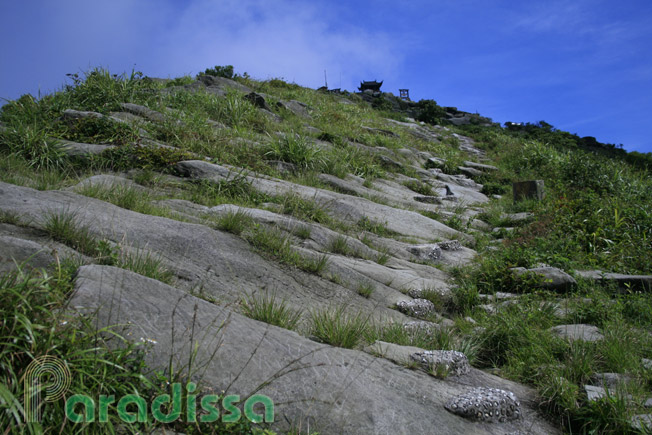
[{"x": 486, "y": 404}]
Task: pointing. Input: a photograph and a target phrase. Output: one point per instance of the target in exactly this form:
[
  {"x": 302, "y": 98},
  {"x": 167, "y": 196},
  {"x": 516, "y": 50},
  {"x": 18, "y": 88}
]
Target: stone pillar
[{"x": 532, "y": 189}]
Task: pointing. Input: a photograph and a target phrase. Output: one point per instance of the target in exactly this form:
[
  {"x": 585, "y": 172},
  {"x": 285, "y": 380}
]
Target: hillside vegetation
[{"x": 359, "y": 233}]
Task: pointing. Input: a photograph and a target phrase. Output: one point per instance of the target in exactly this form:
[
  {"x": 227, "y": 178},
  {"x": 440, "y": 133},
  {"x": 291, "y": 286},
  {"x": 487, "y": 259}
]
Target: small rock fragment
[
  {"x": 453, "y": 363},
  {"x": 416, "y": 307},
  {"x": 486, "y": 404}
]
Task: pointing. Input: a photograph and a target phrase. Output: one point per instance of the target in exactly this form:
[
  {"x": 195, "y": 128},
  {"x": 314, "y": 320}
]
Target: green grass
[
  {"x": 34, "y": 324},
  {"x": 64, "y": 226},
  {"x": 274, "y": 243},
  {"x": 339, "y": 245},
  {"x": 365, "y": 289},
  {"x": 420, "y": 187},
  {"x": 234, "y": 222},
  {"x": 297, "y": 150},
  {"x": 267, "y": 308},
  {"x": 337, "y": 327}
]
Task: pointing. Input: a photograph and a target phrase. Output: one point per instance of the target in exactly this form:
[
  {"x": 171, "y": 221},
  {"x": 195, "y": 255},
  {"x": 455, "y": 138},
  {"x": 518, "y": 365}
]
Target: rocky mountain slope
[{"x": 263, "y": 238}]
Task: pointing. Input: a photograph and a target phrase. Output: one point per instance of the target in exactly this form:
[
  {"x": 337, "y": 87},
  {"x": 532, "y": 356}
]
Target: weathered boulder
[
  {"x": 451, "y": 362},
  {"x": 577, "y": 332},
  {"x": 222, "y": 83},
  {"x": 642, "y": 422},
  {"x": 143, "y": 111},
  {"x": 16, "y": 251},
  {"x": 258, "y": 100},
  {"x": 637, "y": 282},
  {"x": 416, "y": 307},
  {"x": 296, "y": 107},
  {"x": 79, "y": 114},
  {"x": 611, "y": 380},
  {"x": 470, "y": 172},
  {"x": 428, "y": 199},
  {"x": 480, "y": 166},
  {"x": 486, "y": 404},
  {"x": 549, "y": 278},
  {"x": 77, "y": 149},
  {"x": 428, "y": 252}
]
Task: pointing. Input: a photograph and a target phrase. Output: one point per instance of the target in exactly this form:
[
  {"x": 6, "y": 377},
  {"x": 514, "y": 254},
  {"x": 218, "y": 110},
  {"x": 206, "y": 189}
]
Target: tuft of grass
[
  {"x": 235, "y": 222},
  {"x": 383, "y": 256},
  {"x": 276, "y": 244},
  {"x": 365, "y": 289},
  {"x": 338, "y": 328},
  {"x": 316, "y": 266},
  {"x": 267, "y": 308},
  {"x": 146, "y": 264},
  {"x": 9, "y": 217},
  {"x": 303, "y": 232},
  {"x": 339, "y": 245},
  {"x": 122, "y": 195},
  {"x": 31, "y": 142},
  {"x": 64, "y": 227},
  {"x": 377, "y": 228}
]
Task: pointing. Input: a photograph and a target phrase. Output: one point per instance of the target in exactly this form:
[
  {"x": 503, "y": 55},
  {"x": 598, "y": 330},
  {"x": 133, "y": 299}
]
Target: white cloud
[{"x": 283, "y": 38}]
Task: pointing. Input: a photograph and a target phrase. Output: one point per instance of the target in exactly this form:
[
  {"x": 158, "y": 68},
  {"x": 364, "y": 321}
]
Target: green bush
[
  {"x": 225, "y": 71},
  {"x": 430, "y": 112}
]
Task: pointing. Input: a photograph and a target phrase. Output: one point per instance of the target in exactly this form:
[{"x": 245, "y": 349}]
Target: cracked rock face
[
  {"x": 416, "y": 307},
  {"x": 486, "y": 404},
  {"x": 454, "y": 363}
]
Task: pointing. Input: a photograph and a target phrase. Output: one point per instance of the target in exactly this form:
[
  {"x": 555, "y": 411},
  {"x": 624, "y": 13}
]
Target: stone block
[{"x": 532, "y": 189}]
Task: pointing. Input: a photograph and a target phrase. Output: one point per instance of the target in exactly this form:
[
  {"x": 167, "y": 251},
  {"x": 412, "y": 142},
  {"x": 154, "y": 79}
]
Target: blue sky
[{"x": 584, "y": 66}]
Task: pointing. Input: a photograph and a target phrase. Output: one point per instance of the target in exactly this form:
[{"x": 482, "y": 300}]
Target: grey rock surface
[
  {"x": 638, "y": 282},
  {"x": 642, "y": 422},
  {"x": 77, "y": 149},
  {"x": 338, "y": 391},
  {"x": 296, "y": 107},
  {"x": 144, "y": 112},
  {"x": 222, "y": 83},
  {"x": 222, "y": 265},
  {"x": 342, "y": 206},
  {"x": 16, "y": 251},
  {"x": 578, "y": 332},
  {"x": 611, "y": 380},
  {"x": 480, "y": 166},
  {"x": 549, "y": 277}
]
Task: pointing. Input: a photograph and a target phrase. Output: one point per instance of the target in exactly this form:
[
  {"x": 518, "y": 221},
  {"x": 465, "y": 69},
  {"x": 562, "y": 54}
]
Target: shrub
[
  {"x": 430, "y": 112},
  {"x": 225, "y": 71}
]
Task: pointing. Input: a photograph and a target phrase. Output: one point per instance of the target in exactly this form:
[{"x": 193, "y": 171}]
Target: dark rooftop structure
[{"x": 373, "y": 86}]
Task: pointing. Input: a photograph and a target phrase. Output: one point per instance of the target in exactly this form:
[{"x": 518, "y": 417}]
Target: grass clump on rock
[
  {"x": 267, "y": 308},
  {"x": 338, "y": 327}
]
